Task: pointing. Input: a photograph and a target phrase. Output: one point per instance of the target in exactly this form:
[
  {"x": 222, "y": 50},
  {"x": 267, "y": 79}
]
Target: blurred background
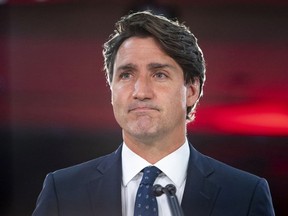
[{"x": 55, "y": 104}]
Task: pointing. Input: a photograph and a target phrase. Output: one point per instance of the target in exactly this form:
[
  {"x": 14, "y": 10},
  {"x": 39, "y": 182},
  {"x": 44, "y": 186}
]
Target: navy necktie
[{"x": 146, "y": 203}]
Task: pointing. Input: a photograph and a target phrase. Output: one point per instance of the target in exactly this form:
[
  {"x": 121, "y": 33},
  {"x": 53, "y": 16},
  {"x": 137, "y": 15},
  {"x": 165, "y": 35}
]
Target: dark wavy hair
[{"x": 175, "y": 39}]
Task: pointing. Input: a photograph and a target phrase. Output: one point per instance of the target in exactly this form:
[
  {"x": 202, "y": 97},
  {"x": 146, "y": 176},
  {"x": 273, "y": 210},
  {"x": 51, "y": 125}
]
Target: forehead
[
  {"x": 140, "y": 43},
  {"x": 141, "y": 50}
]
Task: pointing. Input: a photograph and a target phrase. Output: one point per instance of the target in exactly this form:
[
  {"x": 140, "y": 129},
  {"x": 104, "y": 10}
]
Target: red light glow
[{"x": 251, "y": 119}]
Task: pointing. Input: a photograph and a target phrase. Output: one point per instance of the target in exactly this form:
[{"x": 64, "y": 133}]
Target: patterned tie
[{"x": 146, "y": 203}]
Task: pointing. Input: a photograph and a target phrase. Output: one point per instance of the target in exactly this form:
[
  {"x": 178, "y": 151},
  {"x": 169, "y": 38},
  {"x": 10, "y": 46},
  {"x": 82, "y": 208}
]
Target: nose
[{"x": 143, "y": 88}]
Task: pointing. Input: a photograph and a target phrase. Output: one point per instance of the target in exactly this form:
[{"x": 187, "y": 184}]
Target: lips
[{"x": 141, "y": 107}]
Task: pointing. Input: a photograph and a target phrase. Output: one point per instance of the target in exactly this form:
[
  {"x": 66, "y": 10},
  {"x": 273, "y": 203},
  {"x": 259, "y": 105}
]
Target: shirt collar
[
  {"x": 132, "y": 164},
  {"x": 174, "y": 165}
]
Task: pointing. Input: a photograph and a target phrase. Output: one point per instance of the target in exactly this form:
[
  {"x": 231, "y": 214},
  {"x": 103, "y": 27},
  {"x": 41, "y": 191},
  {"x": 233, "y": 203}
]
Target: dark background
[{"x": 55, "y": 105}]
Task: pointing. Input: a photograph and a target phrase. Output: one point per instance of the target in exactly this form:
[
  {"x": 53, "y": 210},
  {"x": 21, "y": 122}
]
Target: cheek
[
  {"x": 117, "y": 96},
  {"x": 114, "y": 99},
  {"x": 114, "y": 89},
  {"x": 114, "y": 94},
  {"x": 177, "y": 100}
]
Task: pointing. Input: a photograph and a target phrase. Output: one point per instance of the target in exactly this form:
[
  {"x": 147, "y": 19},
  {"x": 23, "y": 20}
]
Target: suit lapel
[
  {"x": 105, "y": 189},
  {"x": 200, "y": 193}
]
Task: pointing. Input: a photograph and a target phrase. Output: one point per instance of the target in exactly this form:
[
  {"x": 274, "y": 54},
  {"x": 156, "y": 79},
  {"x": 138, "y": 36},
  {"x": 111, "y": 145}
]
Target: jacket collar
[
  {"x": 105, "y": 189},
  {"x": 200, "y": 193}
]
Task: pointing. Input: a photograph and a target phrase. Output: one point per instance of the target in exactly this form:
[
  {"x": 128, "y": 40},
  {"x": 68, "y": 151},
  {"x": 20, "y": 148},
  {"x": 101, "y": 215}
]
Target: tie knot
[{"x": 150, "y": 173}]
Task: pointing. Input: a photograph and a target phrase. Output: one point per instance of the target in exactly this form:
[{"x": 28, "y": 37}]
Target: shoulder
[
  {"x": 86, "y": 171},
  {"x": 235, "y": 186},
  {"x": 223, "y": 168},
  {"x": 223, "y": 173}
]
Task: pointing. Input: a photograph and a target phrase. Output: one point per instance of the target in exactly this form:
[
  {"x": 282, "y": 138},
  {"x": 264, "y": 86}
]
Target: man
[{"x": 156, "y": 73}]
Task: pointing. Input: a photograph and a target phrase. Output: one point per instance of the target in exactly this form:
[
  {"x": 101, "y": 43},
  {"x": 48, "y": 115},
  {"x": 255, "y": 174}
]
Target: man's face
[{"x": 149, "y": 96}]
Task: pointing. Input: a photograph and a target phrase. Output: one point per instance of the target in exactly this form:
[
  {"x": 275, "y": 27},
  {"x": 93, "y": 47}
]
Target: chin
[{"x": 143, "y": 133}]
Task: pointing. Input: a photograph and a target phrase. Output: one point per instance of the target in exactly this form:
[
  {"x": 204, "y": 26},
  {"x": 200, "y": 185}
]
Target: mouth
[
  {"x": 137, "y": 108},
  {"x": 141, "y": 109}
]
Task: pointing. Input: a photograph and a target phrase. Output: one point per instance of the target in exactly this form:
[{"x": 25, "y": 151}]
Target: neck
[{"x": 153, "y": 150}]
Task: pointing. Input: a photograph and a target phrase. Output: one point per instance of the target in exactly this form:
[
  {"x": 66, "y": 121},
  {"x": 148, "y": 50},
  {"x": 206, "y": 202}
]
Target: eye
[
  {"x": 160, "y": 75},
  {"x": 125, "y": 75}
]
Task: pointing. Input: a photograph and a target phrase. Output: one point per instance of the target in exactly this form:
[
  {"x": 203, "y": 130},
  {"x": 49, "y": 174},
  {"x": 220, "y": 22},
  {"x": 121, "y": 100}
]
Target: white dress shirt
[{"x": 174, "y": 171}]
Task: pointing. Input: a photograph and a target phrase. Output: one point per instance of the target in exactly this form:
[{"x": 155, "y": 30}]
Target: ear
[{"x": 192, "y": 92}]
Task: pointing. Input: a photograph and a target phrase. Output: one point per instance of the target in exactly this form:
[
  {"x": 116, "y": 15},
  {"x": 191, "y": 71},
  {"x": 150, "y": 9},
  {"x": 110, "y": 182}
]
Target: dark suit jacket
[{"x": 212, "y": 188}]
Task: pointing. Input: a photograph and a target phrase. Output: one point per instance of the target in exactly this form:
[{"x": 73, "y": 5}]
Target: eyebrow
[
  {"x": 126, "y": 67},
  {"x": 150, "y": 66},
  {"x": 160, "y": 66}
]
